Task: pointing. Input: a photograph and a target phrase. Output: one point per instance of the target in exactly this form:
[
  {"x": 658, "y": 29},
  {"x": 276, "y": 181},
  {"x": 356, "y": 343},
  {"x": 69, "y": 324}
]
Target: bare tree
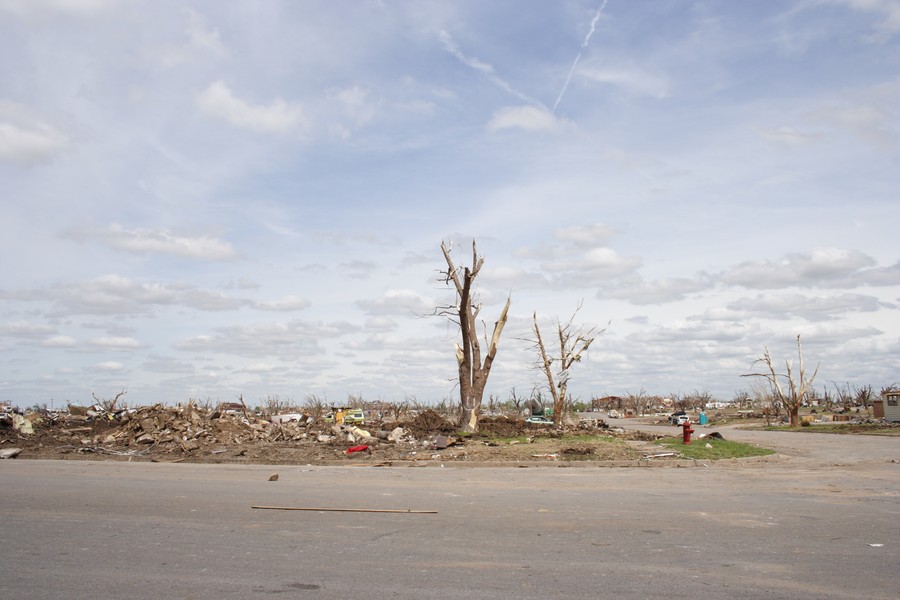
[
  {"x": 798, "y": 384},
  {"x": 473, "y": 373},
  {"x": 315, "y": 406},
  {"x": 444, "y": 407},
  {"x": 515, "y": 401},
  {"x": 639, "y": 402},
  {"x": 698, "y": 399},
  {"x": 415, "y": 404},
  {"x": 397, "y": 409},
  {"x": 573, "y": 343},
  {"x": 107, "y": 405},
  {"x": 844, "y": 396},
  {"x": 273, "y": 405},
  {"x": 681, "y": 402},
  {"x": 742, "y": 399},
  {"x": 865, "y": 395}
]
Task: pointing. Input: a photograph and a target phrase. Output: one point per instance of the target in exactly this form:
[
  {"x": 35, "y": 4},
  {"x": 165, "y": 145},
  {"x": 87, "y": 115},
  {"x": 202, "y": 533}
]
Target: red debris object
[{"x": 360, "y": 448}]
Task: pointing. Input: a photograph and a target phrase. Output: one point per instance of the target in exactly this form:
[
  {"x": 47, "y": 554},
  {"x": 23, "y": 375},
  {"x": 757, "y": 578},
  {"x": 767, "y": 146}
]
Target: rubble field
[{"x": 198, "y": 435}]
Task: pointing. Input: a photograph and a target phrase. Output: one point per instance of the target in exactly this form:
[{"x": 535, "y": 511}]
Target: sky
[{"x": 207, "y": 200}]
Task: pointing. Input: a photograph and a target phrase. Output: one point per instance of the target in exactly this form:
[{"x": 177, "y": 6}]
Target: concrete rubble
[{"x": 195, "y": 433}]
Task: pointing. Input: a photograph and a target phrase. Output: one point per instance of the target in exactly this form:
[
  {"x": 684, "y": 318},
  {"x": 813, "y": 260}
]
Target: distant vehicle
[
  {"x": 354, "y": 415},
  {"x": 539, "y": 420},
  {"x": 675, "y": 415},
  {"x": 680, "y": 420}
]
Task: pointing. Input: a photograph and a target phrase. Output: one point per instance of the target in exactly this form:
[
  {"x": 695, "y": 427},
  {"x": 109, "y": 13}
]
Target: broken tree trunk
[{"x": 473, "y": 373}]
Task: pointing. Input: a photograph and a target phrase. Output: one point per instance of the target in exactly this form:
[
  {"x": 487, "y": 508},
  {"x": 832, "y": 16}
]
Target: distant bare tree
[
  {"x": 865, "y": 395},
  {"x": 473, "y": 373},
  {"x": 415, "y": 404},
  {"x": 273, "y": 405},
  {"x": 397, "y": 410},
  {"x": 315, "y": 406},
  {"x": 573, "y": 343},
  {"x": 639, "y": 402},
  {"x": 515, "y": 400},
  {"x": 742, "y": 399},
  {"x": 109, "y": 405},
  {"x": 844, "y": 396},
  {"x": 444, "y": 407},
  {"x": 798, "y": 384},
  {"x": 698, "y": 399},
  {"x": 680, "y": 402}
]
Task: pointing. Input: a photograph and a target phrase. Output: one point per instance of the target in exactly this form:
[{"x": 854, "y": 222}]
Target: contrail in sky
[
  {"x": 584, "y": 44},
  {"x": 486, "y": 69}
]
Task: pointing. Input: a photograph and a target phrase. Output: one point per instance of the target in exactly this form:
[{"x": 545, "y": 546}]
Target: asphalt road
[{"x": 799, "y": 527}]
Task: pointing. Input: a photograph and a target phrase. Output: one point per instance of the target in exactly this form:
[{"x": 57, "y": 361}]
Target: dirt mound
[
  {"x": 428, "y": 422},
  {"x": 500, "y": 426}
]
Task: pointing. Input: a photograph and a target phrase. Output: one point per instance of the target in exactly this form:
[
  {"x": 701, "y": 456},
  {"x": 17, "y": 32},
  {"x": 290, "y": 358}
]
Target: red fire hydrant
[{"x": 686, "y": 432}]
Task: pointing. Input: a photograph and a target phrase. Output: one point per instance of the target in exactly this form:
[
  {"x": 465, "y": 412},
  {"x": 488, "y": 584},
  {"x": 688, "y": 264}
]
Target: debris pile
[{"x": 236, "y": 434}]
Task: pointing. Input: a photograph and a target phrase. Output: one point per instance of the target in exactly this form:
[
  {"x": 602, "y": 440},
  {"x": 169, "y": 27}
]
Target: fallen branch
[{"x": 359, "y": 510}]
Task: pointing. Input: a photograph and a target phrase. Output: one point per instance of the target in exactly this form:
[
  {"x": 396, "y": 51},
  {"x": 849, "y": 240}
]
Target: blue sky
[{"x": 208, "y": 199}]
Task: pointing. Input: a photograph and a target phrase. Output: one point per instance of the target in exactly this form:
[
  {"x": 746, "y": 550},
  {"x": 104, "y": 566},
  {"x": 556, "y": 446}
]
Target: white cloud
[
  {"x": 398, "y": 302},
  {"x": 59, "y": 341},
  {"x": 631, "y": 79},
  {"x": 25, "y": 329},
  {"x": 25, "y": 139},
  {"x": 31, "y": 8},
  {"x": 202, "y": 42},
  {"x": 117, "y": 295},
  {"x": 787, "y": 136},
  {"x": 287, "y": 340},
  {"x": 888, "y": 11},
  {"x": 109, "y": 366},
  {"x": 812, "y": 308},
  {"x": 597, "y": 266},
  {"x": 218, "y": 100},
  {"x": 357, "y": 104},
  {"x": 288, "y": 303},
  {"x": 529, "y": 118},
  {"x": 203, "y": 37},
  {"x": 695, "y": 331},
  {"x": 827, "y": 266},
  {"x": 585, "y": 235},
  {"x": 115, "y": 343},
  {"x": 869, "y": 122},
  {"x": 162, "y": 241},
  {"x": 655, "y": 292}
]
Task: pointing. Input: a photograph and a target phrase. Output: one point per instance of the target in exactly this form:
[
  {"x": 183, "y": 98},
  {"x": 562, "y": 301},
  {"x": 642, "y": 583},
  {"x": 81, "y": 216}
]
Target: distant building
[{"x": 891, "y": 406}]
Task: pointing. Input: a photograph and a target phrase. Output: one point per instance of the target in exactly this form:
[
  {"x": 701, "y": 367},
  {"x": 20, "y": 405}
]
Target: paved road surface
[{"x": 797, "y": 528}]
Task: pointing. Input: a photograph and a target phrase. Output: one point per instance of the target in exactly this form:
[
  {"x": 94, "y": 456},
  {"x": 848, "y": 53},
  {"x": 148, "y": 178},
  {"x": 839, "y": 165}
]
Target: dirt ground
[{"x": 189, "y": 434}]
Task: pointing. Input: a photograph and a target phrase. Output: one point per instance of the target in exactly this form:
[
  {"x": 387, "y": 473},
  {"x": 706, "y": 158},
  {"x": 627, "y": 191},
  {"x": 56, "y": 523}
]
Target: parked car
[
  {"x": 680, "y": 420},
  {"x": 675, "y": 415},
  {"x": 539, "y": 420}
]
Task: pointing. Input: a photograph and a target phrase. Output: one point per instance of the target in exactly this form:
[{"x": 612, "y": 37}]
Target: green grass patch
[{"x": 720, "y": 448}]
